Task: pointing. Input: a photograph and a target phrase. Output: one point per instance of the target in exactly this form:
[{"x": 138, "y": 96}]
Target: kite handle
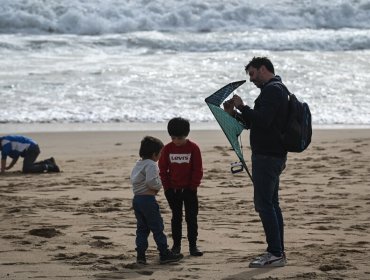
[{"x": 236, "y": 167}]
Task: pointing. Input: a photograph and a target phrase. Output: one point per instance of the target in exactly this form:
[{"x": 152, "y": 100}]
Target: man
[
  {"x": 266, "y": 122},
  {"x": 16, "y": 146}
]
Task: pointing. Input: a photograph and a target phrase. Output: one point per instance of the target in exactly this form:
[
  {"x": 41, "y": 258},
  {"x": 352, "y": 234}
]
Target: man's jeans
[
  {"x": 265, "y": 172},
  {"x": 148, "y": 219}
]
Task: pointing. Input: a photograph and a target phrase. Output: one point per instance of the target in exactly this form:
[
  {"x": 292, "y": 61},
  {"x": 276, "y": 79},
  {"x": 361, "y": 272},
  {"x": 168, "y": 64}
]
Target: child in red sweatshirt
[{"x": 181, "y": 171}]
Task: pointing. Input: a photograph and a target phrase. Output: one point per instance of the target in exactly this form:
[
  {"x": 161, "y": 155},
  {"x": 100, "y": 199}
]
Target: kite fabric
[{"x": 230, "y": 126}]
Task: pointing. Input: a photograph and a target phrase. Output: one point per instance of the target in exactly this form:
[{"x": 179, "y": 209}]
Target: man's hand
[
  {"x": 238, "y": 102},
  {"x": 229, "y": 107}
]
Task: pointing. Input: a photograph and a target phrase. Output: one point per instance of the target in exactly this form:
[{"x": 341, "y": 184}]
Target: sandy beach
[{"x": 79, "y": 224}]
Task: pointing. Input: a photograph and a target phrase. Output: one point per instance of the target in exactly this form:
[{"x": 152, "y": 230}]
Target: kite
[{"x": 229, "y": 125}]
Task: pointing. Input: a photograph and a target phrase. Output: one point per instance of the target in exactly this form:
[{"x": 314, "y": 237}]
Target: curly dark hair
[
  {"x": 150, "y": 146},
  {"x": 257, "y": 62}
]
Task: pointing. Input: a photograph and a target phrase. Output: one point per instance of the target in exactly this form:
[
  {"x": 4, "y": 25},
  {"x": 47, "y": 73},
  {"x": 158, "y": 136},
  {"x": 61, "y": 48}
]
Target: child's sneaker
[
  {"x": 52, "y": 168},
  {"x": 50, "y": 160},
  {"x": 170, "y": 257},
  {"x": 267, "y": 260},
  {"x": 141, "y": 259},
  {"x": 194, "y": 251},
  {"x": 176, "y": 250}
]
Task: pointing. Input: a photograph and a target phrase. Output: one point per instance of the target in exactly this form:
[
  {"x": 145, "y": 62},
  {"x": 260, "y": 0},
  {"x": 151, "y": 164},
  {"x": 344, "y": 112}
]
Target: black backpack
[{"x": 298, "y": 132}]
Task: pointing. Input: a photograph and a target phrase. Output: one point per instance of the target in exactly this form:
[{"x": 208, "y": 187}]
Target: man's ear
[{"x": 263, "y": 69}]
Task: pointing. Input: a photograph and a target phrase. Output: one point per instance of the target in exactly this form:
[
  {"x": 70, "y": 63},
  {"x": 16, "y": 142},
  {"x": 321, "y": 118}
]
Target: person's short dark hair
[
  {"x": 178, "y": 127},
  {"x": 149, "y": 146},
  {"x": 257, "y": 62}
]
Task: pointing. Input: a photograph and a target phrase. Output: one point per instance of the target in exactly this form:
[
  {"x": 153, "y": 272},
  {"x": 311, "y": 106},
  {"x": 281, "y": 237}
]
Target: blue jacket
[{"x": 15, "y": 146}]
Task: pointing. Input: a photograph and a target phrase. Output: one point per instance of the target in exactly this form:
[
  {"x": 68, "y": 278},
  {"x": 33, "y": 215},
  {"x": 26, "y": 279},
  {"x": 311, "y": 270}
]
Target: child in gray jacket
[{"x": 146, "y": 184}]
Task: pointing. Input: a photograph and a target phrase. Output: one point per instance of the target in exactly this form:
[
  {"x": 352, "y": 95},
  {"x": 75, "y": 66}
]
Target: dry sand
[{"x": 79, "y": 224}]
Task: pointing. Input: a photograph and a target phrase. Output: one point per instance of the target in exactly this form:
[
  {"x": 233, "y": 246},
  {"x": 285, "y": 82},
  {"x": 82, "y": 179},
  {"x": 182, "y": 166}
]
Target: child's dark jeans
[
  {"x": 176, "y": 199},
  {"x": 149, "y": 220}
]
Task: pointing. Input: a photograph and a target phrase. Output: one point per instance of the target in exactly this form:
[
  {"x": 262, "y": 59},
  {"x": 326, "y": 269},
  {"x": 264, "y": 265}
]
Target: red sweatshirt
[{"x": 181, "y": 167}]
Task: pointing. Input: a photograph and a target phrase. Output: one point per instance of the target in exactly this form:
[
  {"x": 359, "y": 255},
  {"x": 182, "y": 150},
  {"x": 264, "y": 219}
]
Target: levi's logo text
[{"x": 180, "y": 158}]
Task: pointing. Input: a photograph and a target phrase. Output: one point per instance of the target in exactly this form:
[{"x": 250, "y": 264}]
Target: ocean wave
[
  {"x": 99, "y": 88},
  {"x": 117, "y": 16},
  {"x": 153, "y": 41}
]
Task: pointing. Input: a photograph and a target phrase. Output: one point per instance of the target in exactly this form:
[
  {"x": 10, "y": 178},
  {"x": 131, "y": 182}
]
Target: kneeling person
[{"x": 15, "y": 146}]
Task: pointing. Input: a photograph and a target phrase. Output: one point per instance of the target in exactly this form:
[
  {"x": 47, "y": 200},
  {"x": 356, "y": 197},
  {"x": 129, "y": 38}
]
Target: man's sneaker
[
  {"x": 267, "y": 260},
  {"x": 176, "y": 250},
  {"x": 169, "y": 257},
  {"x": 141, "y": 259},
  {"x": 194, "y": 251}
]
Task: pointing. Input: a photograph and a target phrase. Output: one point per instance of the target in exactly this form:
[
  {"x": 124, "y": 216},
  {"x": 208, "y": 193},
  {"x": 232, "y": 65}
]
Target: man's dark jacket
[{"x": 267, "y": 119}]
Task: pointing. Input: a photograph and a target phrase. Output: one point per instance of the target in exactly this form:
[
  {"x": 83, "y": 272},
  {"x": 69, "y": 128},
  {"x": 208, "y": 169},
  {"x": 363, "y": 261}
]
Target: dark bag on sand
[{"x": 298, "y": 132}]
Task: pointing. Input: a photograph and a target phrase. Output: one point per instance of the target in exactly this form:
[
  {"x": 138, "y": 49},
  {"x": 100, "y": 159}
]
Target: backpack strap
[
  {"x": 282, "y": 132},
  {"x": 281, "y": 84}
]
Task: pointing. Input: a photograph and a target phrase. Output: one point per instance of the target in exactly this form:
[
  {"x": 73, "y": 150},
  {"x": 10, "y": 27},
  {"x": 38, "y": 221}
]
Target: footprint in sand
[
  {"x": 350, "y": 151},
  {"x": 223, "y": 150},
  {"x": 101, "y": 244},
  {"x": 326, "y": 228},
  {"x": 45, "y": 232},
  {"x": 328, "y": 267},
  {"x": 345, "y": 172}
]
